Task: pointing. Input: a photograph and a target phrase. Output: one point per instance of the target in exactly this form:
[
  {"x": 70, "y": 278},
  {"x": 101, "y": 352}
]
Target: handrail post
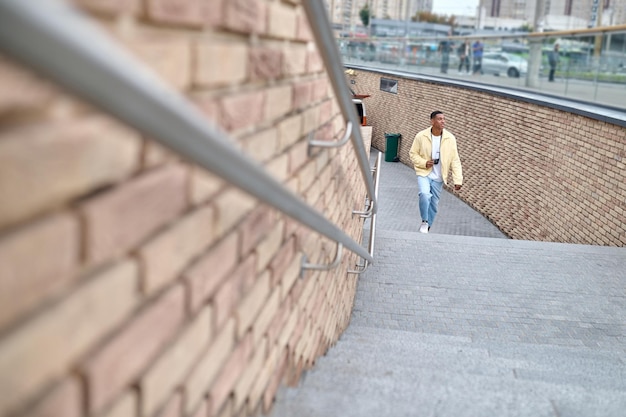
[{"x": 372, "y": 238}]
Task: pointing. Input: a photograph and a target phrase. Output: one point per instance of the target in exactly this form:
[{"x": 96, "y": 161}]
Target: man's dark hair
[{"x": 435, "y": 113}]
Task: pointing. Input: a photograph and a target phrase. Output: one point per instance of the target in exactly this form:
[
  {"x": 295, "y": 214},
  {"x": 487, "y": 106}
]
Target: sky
[{"x": 455, "y": 7}]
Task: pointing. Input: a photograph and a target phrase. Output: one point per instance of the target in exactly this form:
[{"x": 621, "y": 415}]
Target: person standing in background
[
  {"x": 477, "y": 51},
  {"x": 444, "y": 49},
  {"x": 553, "y": 61},
  {"x": 434, "y": 155},
  {"x": 464, "y": 54}
]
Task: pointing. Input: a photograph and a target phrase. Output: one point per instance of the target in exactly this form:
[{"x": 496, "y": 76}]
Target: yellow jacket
[{"x": 448, "y": 154}]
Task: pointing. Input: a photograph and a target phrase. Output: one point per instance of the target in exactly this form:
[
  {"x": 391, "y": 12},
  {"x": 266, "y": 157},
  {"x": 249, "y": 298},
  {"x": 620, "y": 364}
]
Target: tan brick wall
[
  {"x": 134, "y": 283},
  {"x": 536, "y": 172}
]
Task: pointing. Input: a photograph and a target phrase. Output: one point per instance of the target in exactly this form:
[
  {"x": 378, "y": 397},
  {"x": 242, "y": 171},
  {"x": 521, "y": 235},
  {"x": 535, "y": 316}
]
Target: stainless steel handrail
[
  {"x": 323, "y": 32},
  {"x": 370, "y": 243},
  {"x": 332, "y": 144},
  {"x": 53, "y": 38},
  {"x": 305, "y": 265}
]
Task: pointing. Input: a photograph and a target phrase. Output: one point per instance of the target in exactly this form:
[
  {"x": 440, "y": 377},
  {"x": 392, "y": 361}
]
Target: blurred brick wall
[
  {"x": 537, "y": 173},
  {"x": 133, "y": 283}
]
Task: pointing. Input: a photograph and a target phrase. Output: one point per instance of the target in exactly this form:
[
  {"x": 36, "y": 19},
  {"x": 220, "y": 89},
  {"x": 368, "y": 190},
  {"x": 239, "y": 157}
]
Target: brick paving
[{"x": 465, "y": 322}]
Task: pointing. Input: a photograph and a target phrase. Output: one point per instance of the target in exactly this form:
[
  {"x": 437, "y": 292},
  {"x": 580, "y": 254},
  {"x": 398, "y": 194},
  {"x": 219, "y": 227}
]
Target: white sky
[{"x": 455, "y": 7}]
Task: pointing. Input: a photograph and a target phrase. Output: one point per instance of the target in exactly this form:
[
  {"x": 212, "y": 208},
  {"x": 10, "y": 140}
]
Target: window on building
[{"x": 390, "y": 86}]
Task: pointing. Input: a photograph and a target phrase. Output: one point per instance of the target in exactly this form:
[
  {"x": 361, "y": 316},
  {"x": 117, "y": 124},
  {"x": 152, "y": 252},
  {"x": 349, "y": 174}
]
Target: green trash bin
[{"x": 391, "y": 148}]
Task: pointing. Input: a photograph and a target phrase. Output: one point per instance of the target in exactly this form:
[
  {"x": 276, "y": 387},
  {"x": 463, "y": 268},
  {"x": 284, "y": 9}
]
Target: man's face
[{"x": 438, "y": 122}]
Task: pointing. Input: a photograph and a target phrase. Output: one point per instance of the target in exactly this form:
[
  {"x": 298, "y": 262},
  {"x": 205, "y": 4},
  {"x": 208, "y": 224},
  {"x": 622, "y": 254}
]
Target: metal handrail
[
  {"x": 305, "y": 265},
  {"x": 332, "y": 144},
  {"x": 323, "y": 33},
  {"x": 52, "y": 38},
  {"x": 370, "y": 243},
  {"x": 600, "y": 30}
]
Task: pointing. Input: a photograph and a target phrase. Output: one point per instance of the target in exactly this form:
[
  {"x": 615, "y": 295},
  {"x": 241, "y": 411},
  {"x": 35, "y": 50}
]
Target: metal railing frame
[
  {"x": 52, "y": 38},
  {"x": 370, "y": 244},
  {"x": 323, "y": 33},
  {"x": 530, "y": 37}
]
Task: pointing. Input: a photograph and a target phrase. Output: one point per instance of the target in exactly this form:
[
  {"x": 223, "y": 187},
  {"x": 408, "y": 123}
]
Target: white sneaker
[{"x": 424, "y": 227}]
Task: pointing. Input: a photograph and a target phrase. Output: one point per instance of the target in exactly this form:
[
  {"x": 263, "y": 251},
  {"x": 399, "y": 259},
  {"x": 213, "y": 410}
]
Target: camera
[{"x": 435, "y": 161}]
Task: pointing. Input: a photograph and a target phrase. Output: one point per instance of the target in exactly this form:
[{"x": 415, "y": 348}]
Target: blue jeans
[{"x": 429, "y": 192}]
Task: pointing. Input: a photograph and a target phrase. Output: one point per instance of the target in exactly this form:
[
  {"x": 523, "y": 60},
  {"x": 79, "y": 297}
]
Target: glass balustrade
[{"x": 588, "y": 66}]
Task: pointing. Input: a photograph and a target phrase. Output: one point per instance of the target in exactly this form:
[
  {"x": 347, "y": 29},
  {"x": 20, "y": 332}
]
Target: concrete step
[
  {"x": 374, "y": 372},
  {"x": 587, "y": 367}
]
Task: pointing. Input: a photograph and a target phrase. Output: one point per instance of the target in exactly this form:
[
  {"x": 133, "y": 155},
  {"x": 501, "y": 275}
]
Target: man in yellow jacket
[{"x": 434, "y": 154}]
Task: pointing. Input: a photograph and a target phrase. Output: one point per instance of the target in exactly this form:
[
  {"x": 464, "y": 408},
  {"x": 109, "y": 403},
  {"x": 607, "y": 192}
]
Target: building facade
[
  {"x": 345, "y": 13},
  {"x": 558, "y": 14}
]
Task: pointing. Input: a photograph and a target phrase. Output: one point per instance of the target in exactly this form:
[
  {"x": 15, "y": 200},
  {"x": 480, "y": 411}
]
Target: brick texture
[
  {"x": 147, "y": 203},
  {"x": 67, "y": 331},
  {"x": 121, "y": 360},
  {"x": 47, "y": 165},
  {"x": 295, "y": 60},
  {"x": 261, "y": 146},
  {"x": 242, "y": 110},
  {"x": 265, "y": 63},
  {"x": 173, "y": 407},
  {"x": 246, "y": 16},
  {"x": 175, "y": 363},
  {"x": 232, "y": 206},
  {"x": 278, "y": 102},
  {"x": 232, "y": 68},
  {"x": 177, "y": 12},
  {"x": 207, "y": 369},
  {"x": 232, "y": 369},
  {"x": 165, "y": 256},
  {"x": 204, "y": 185},
  {"x": 282, "y": 20},
  {"x": 231, "y": 292},
  {"x": 64, "y": 400},
  {"x": 20, "y": 90},
  {"x": 249, "y": 376},
  {"x": 208, "y": 273},
  {"x": 168, "y": 56},
  {"x": 124, "y": 406},
  {"x": 157, "y": 288},
  {"x": 302, "y": 94},
  {"x": 25, "y": 283},
  {"x": 111, "y": 7}
]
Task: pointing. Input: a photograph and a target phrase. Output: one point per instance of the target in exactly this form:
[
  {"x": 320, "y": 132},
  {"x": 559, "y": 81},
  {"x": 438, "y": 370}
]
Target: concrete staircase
[
  {"x": 463, "y": 322},
  {"x": 464, "y": 326}
]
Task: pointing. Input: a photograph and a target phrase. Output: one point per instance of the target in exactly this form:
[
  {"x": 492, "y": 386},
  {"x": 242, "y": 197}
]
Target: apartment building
[
  {"x": 558, "y": 14},
  {"x": 345, "y": 13}
]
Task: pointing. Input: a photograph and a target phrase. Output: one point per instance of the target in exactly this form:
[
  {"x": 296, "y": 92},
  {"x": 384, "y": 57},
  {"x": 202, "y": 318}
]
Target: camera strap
[{"x": 435, "y": 152}]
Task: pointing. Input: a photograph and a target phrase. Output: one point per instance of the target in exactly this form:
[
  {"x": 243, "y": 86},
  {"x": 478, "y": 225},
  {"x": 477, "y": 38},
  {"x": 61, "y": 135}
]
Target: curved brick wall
[
  {"x": 537, "y": 172},
  {"x": 133, "y": 283}
]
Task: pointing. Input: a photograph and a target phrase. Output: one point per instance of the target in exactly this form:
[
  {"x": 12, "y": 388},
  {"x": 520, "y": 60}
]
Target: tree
[
  {"x": 526, "y": 28},
  {"x": 365, "y": 15},
  {"x": 429, "y": 17}
]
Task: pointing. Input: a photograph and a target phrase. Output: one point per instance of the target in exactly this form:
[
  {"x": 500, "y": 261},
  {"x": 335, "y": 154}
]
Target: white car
[{"x": 503, "y": 63}]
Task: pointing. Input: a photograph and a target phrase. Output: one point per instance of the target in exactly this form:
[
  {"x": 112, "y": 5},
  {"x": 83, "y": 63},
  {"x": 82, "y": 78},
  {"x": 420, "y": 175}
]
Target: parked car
[{"x": 503, "y": 63}]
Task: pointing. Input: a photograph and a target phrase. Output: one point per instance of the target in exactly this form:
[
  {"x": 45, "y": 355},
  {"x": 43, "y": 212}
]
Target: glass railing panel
[{"x": 591, "y": 67}]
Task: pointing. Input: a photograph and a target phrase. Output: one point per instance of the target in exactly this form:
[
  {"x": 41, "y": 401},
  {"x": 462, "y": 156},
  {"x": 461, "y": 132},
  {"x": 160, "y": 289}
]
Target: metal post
[{"x": 534, "y": 53}]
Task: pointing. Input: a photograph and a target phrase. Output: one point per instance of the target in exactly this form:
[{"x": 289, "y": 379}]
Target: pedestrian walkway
[{"x": 465, "y": 322}]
